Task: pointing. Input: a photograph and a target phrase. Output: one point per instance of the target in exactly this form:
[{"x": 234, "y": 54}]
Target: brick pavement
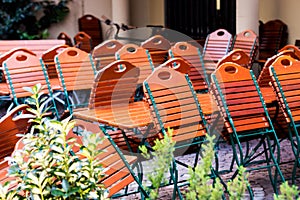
[{"x": 259, "y": 180}]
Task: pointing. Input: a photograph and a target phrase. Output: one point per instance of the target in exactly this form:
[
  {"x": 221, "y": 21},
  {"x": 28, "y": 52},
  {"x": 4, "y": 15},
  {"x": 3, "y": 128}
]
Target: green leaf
[
  {"x": 65, "y": 185},
  {"x": 57, "y": 192}
]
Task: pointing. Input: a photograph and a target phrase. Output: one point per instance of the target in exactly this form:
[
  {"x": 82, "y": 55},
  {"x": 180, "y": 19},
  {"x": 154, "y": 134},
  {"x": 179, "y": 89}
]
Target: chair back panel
[
  {"x": 237, "y": 56},
  {"x": 83, "y": 41},
  {"x": 114, "y": 85},
  {"x": 191, "y": 55},
  {"x": 238, "y": 99},
  {"x": 139, "y": 57},
  {"x": 21, "y": 70},
  {"x": 75, "y": 68},
  {"x": 104, "y": 53},
  {"x": 173, "y": 104}
]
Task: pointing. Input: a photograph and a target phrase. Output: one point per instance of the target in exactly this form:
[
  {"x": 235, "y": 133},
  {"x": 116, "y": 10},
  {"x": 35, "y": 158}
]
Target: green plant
[
  {"x": 287, "y": 192},
  {"x": 29, "y": 19},
  {"x": 162, "y": 159},
  {"x": 200, "y": 186},
  {"x": 47, "y": 168},
  {"x": 237, "y": 187}
]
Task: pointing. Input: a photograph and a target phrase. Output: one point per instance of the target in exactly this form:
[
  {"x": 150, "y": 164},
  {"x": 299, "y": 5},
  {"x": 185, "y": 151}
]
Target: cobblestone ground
[{"x": 259, "y": 179}]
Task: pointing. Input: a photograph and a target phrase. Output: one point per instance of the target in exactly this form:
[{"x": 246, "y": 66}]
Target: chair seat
[{"x": 132, "y": 115}]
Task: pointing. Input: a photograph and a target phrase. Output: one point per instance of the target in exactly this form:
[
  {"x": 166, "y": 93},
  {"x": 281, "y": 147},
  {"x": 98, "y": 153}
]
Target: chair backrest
[
  {"x": 23, "y": 69},
  {"x": 139, "y": 57},
  {"x": 12, "y": 124},
  {"x": 92, "y": 26},
  {"x": 83, "y": 41},
  {"x": 158, "y": 47},
  {"x": 237, "y": 56},
  {"x": 66, "y": 37},
  {"x": 114, "y": 85},
  {"x": 104, "y": 53},
  {"x": 273, "y": 35},
  {"x": 76, "y": 73},
  {"x": 264, "y": 77},
  {"x": 48, "y": 59},
  {"x": 174, "y": 104},
  {"x": 285, "y": 72},
  {"x": 192, "y": 56},
  {"x": 238, "y": 99},
  {"x": 293, "y": 48},
  {"x": 248, "y": 42},
  {"x": 116, "y": 174},
  {"x": 217, "y": 44}
]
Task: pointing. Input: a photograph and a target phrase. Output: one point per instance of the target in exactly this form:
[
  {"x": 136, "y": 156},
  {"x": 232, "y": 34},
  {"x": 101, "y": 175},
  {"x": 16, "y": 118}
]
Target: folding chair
[
  {"x": 92, "y": 26},
  {"x": 112, "y": 105},
  {"x": 76, "y": 72},
  {"x": 118, "y": 168},
  {"x": 104, "y": 53},
  {"x": 217, "y": 45},
  {"x": 141, "y": 58},
  {"x": 83, "y": 41},
  {"x": 285, "y": 74},
  {"x": 192, "y": 55},
  {"x": 246, "y": 118},
  {"x": 248, "y": 42},
  {"x": 66, "y": 37},
  {"x": 293, "y": 48},
  {"x": 23, "y": 69},
  {"x": 158, "y": 47},
  {"x": 174, "y": 104}
]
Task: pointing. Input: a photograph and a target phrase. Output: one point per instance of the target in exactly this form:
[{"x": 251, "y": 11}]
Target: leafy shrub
[
  {"x": 47, "y": 168},
  {"x": 29, "y": 19}
]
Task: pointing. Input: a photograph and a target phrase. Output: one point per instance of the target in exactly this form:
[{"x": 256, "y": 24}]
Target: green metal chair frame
[
  {"x": 174, "y": 104},
  {"x": 246, "y": 117},
  {"x": 285, "y": 73}
]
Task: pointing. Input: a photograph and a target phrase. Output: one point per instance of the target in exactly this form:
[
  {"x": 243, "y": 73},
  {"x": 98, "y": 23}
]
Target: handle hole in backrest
[
  {"x": 72, "y": 53},
  {"x": 286, "y": 62},
  {"x": 81, "y": 36},
  {"x": 89, "y": 18},
  {"x": 175, "y": 65},
  {"x": 247, "y": 34},
  {"x": 182, "y": 47},
  {"x": 119, "y": 68},
  {"x": 111, "y": 45},
  {"x": 236, "y": 56},
  {"x": 220, "y": 33},
  {"x": 131, "y": 49},
  {"x": 164, "y": 75},
  {"x": 231, "y": 69},
  {"x": 157, "y": 41},
  {"x": 21, "y": 58}
]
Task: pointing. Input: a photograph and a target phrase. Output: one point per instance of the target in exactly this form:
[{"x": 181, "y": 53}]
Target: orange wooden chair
[
  {"x": 83, "y": 41},
  {"x": 248, "y": 42},
  {"x": 139, "y": 57},
  {"x": 24, "y": 70},
  {"x": 117, "y": 168},
  {"x": 104, "y": 53},
  {"x": 112, "y": 104},
  {"x": 285, "y": 73},
  {"x": 173, "y": 104},
  {"x": 76, "y": 72},
  {"x": 64, "y": 36},
  {"x": 293, "y": 48},
  {"x": 246, "y": 118},
  {"x": 192, "y": 56},
  {"x": 91, "y": 25},
  {"x": 158, "y": 47},
  {"x": 217, "y": 45}
]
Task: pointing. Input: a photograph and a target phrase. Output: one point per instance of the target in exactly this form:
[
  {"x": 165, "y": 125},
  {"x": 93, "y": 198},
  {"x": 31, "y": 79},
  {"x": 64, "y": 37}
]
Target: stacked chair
[
  {"x": 104, "y": 53},
  {"x": 158, "y": 47},
  {"x": 83, "y": 41},
  {"x": 217, "y": 45},
  {"x": 248, "y": 42},
  {"x": 245, "y": 118},
  {"x": 285, "y": 82}
]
